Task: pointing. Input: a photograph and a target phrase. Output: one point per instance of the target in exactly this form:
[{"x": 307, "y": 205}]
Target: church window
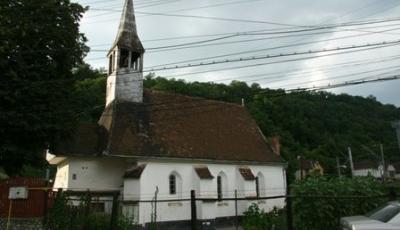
[
  {"x": 257, "y": 187},
  {"x": 222, "y": 185},
  {"x": 74, "y": 176},
  {"x": 260, "y": 185},
  {"x": 219, "y": 187},
  {"x": 124, "y": 58},
  {"x": 172, "y": 184}
]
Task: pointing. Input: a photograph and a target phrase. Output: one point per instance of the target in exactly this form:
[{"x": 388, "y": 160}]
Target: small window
[
  {"x": 74, "y": 176},
  {"x": 257, "y": 187},
  {"x": 124, "y": 58},
  {"x": 219, "y": 187},
  {"x": 172, "y": 184}
]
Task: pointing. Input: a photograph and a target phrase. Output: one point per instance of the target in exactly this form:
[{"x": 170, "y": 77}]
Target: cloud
[{"x": 101, "y": 27}]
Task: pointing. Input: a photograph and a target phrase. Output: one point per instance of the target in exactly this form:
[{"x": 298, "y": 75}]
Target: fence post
[
  {"x": 193, "y": 209},
  {"x": 289, "y": 216},
  {"x": 45, "y": 203},
  {"x": 88, "y": 200},
  {"x": 392, "y": 193},
  {"x": 114, "y": 212},
  {"x": 236, "y": 211}
]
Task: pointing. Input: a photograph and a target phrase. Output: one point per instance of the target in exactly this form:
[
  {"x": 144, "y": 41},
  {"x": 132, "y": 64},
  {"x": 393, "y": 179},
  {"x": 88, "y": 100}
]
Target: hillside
[{"x": 317, "y": 125}]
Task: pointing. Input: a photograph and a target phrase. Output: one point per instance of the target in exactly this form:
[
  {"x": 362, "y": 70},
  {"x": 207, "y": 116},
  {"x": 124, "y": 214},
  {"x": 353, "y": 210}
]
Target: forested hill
[{"x": 318, "y": 125}]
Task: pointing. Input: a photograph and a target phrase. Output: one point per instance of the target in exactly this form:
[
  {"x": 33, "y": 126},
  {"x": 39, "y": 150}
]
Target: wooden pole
[
  {"x": 114, "y": 212},
  {"x": 9, "y": 214},
  {"x": 236, "y": 210},
  {"x": 289, "y": 216}
]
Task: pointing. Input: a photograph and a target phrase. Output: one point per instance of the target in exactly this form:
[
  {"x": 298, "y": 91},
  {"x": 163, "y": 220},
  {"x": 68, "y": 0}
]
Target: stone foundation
[{"x": 22, "y": 224}]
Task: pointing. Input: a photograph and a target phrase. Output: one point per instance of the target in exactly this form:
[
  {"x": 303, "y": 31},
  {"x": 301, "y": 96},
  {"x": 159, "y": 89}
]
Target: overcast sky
[{"x": 244, "y": 28}]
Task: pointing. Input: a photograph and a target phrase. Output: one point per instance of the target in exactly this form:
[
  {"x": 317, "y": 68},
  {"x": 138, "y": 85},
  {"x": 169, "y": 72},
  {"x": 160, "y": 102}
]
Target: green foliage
[
  {"x": 40, "y": 43},
  {"x": 256, "y": 219},
  {"x": 65, "y": 216},
  {"x": 56, "y": 218},
  {"x": 311, "y": 212}
]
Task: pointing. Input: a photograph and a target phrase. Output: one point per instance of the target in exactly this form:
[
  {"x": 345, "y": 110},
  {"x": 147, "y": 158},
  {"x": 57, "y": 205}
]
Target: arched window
[
  {"x": 260, "y": 185},
  {"x": 221, "y": 185},
  {"x": 175, "y": 184},
  {"x": 172, "y": 184}
]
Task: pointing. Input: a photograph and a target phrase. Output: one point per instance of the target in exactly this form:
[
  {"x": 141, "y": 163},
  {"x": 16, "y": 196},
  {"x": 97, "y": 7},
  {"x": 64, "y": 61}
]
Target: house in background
[
  {"x": 148, "y": 142},
  {"x": 306, "y": 167},
  {"x": 368, "y": 168}
]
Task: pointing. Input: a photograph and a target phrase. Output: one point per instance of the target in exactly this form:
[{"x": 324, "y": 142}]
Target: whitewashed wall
[
  {"x": 366, "y": 172},
  {"x": 61, "y": 179},
  {"x": 156, "y": 175},
  {"x": 96, "y": 174},
  {"x": 102, "y": 174}
]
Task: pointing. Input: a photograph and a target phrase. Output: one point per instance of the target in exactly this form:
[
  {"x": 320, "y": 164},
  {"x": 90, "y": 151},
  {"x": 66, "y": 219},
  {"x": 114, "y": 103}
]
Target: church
[{"x": 149, "y": 143}]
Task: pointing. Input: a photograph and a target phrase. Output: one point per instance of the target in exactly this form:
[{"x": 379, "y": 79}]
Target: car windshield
[{"x": 385, "y": 213}]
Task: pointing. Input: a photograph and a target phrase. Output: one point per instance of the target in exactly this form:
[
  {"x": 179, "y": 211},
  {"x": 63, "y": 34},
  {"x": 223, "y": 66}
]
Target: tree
[{"x": 40, "y": 44}]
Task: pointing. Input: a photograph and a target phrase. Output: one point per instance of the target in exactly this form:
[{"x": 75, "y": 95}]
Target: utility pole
[
  {"x": 396, "y": 125},
  {"x": 383, "y": 161},
  {"x": 338, "y": 166},
  {"x": 351, "y": 161}
]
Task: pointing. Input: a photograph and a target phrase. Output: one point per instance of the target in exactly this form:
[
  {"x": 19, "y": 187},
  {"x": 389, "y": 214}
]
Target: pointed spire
[{"x": 127, "y": 35}]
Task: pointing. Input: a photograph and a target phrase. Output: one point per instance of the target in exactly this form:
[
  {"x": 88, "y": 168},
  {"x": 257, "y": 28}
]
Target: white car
[{"x": 385, "y": 217}]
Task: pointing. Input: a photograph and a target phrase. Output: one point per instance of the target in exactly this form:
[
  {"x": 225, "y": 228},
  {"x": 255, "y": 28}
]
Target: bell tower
[{"x": 125, "y": 61}]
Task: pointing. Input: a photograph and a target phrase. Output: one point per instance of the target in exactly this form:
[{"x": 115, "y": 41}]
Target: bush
[
  {"x": 256, "y": 219},
  {"x": 311, "y": 212}
]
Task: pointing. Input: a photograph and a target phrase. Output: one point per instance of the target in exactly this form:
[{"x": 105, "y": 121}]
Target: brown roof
[
  {"x": 366, "y": 164},
  {"x": 135, "y": 173},
  {"x": 175, "y": 126},
  {"x": 247, "y": 174},
  {"x": 203, "y": 172},
  {"x": 305, "y": 164}
]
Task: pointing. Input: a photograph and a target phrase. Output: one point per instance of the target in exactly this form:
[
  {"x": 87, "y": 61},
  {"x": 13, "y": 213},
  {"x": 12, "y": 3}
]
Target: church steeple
[{"x": 125, "y": 77}]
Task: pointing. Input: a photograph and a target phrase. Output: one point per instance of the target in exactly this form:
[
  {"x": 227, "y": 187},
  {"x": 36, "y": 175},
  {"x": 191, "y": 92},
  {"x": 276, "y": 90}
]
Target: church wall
[
  {"x": 110, "y": 95},
  {"x": 156, "y": 174},
  {"x": 129, "y": 86},
  {"x": 61, "y": 179},
  {"x": 96, "y": 174}
]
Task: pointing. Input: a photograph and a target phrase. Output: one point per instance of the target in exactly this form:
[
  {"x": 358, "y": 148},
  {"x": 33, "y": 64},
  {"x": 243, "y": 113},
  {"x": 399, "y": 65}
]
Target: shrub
[
  {"x": 256, "y": 219},
  {"x": 311, "y": 212}
]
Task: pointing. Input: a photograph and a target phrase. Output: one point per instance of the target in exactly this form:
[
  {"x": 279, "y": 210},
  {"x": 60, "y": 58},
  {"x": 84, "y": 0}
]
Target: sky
[{"x": 284, "y": 44}]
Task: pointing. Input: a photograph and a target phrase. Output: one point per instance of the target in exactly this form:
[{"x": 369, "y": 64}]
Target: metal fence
[{"x": 93, "y": 210}]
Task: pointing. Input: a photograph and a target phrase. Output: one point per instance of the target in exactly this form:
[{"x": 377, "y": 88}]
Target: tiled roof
[
  {"x": 173, "y": 126},
  {"x": 127, "y": 33},
  {"x": 366, "y": 164}
]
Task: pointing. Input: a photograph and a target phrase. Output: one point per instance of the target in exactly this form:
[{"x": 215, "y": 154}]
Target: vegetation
[
  {"x": 256, "y": 219},
  {"x": 40, "y": 44},
  {"x": 322, "y": 201},
  {"x": 65, "y": 216}
]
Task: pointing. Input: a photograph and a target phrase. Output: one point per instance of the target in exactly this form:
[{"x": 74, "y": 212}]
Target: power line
[
  {"x": 214, "y": 62},
  {"x": 278, "y": 62},
  {"x": 200, "y": 44}
]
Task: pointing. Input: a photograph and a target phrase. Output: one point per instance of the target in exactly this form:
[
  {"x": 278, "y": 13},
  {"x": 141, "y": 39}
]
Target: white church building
[{"x": 149, "y": 142}]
